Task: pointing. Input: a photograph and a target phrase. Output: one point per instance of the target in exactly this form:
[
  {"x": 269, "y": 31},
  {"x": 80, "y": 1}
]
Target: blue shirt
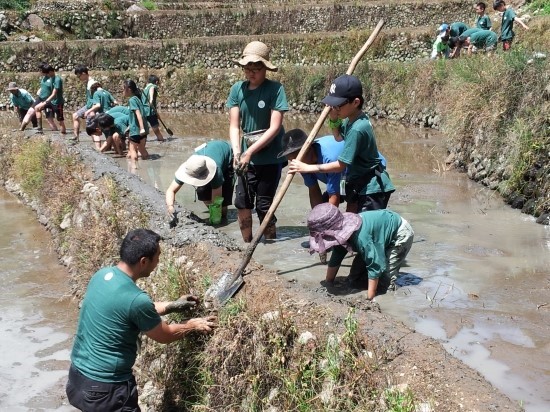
[
  {"x": 23, "y": 101},
  {"x": 327, "y": 150}
]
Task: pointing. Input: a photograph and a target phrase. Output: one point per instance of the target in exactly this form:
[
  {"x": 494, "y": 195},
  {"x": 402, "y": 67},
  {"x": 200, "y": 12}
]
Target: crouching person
[
  {"x": 113, "y": 314},
  {"x": 381, "y": 238}
]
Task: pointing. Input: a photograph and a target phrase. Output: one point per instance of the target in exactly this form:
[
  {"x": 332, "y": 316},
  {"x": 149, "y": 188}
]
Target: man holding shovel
[{"x": 114, "y": 312}]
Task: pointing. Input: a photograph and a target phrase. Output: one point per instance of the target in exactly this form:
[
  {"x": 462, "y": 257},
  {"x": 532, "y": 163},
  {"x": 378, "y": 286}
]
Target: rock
[
  {"x": 135, "y": 7},
  {"x": 270, "y": 316},
  {"x": 544, "y": 219},
  {"x": 305, "y": 337},
  {"x": 34, "y": 39},
  {"x": 66, "y": 223},
  {"x": 33, "y": 22}
]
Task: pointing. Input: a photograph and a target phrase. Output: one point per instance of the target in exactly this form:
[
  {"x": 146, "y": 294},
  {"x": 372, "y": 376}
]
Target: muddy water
[
  {"x": 483, "y": 267},
  {"x": 37, "y": 315}
]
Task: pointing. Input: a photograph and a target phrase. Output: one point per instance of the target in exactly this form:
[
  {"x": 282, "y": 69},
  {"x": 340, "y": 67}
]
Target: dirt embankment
[{"x": 398, "y": 359}]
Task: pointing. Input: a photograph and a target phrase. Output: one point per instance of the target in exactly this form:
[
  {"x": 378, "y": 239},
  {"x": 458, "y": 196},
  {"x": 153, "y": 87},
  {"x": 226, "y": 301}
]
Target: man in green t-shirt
[
  {"x": 507, "y": 24},
  {"x": 149, "y": 97},
  {"x": 113, "y": 314},
  {"x": 22, "y": 102},
  {"x": 81, "y": 72},
  {"x": 50, "y": 98},
  {"x": 483, "y": 21},
  {"x": 210, "y": 171}
]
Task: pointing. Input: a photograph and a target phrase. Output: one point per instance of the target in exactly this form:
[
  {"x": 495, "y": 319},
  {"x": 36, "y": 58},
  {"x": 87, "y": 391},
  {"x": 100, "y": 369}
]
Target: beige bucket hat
[
  {"x": 12, "y": 86},
  {"x": 197, "y": 171},
  {"x": 255, "y": 52}
]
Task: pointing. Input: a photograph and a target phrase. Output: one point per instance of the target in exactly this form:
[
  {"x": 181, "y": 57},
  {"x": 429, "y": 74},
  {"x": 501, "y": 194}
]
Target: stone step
[
  {"x": 248, "y": 21},
  {"x": 214, "y": 52}
]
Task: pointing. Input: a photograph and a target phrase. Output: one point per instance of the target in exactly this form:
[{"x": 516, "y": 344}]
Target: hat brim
[
  {"x": 351, "y": 223},
  {"x": 11, "y": 89},
  {"x": 288, "y": 151},
  {"x": 254, "y": 58},
  {"x": 334, "y": 101},
  {"x": 182, "y": 176}
]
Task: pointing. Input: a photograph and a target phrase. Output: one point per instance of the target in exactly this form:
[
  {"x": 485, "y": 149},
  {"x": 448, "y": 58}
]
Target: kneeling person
[
  {"x": 210, "y": 170},
  {"x": 381, "y": 238}
]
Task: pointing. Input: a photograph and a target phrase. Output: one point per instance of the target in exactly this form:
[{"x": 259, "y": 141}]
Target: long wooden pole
[{"x": 279, "y": 196}]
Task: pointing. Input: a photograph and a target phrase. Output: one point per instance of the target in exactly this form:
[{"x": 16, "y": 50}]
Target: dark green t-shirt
[
  {"x": 360, "y": 154},
  {"x": 377, "y": 232},
  {"x": 469, "y": 32},
  {"x": 150, "y": 88},
  {"x": 507, "y": 26},
  {"x": 255, "y": 108},
  {"x": 114, "y": 312},
  {"x": 58, "y": 85},
  {"x": 484, "y": 22},
  {"x": 134, "y": 103},
  {"x": 457, "y": 28},
  {"x": 104, "y": 98},
  {"x": 119, "y": 111},
  {"x": 46, "y": 87},
  {"x": 483, "y": 39},
  {"x": 221, "y": 153}
]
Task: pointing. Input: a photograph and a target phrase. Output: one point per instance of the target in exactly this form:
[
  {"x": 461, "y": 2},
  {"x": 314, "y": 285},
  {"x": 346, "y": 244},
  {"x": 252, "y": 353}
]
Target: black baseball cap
[{"x": 342, "y": 89}]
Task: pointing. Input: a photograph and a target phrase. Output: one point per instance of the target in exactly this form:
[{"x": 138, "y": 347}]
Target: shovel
[
  {"x": 229, "y": 283},
  {"x": 168, "y": 130}
]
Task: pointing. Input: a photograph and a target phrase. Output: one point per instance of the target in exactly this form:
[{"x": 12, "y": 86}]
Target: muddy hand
[
  {"x": 242, "y": 167},
  {"x": 172, "y": 217},
  {"x": 185, "y": 303},
  {"x": 204, "y": 325}
]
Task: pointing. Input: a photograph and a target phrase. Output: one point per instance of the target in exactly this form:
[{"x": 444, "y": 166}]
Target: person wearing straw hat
[
  {"x": 210, "y": 171},
  {"x": 368, "y": 185},
  {"x": 381, "y": 238},
  {"x": 22, "y": 102},
  {"x": 254, "y": 104}
]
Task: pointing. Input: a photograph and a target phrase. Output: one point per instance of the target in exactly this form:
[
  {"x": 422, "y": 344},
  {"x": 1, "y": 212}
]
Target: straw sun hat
[
  {"x": 12, "y": 86},
  {"x": 197, "y": 171},
  {"x": 329, "y": 227},
  {"x": 255, "y": 52}
]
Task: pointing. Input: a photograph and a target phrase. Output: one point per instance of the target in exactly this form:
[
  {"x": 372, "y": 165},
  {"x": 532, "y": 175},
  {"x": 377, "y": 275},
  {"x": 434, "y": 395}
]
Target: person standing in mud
[
  {"x": 138, "y": 124},
  {"x": 149, "y": 97},
  {"x": 50, "y": 99},
  {"x": 82, "y": 73},
  {"x": 256, "y": 104},
  {"x": 210, "y": 171},
  {"x": 22, "y": 102},
  {"x": 113, "y": 314},
  {"x": 368, "y": 185}
]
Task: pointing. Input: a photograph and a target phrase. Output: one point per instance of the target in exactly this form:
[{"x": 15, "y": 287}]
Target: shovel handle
[{"x": 279, "y": 196}]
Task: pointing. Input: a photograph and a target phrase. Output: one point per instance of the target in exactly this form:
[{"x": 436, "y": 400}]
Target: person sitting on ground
[
  {"x": 507, "y": 25},
  {"x": 50, "y": 98},
  {"x": 459, "y": 44},
  {"x": 381, "y": 238},
  {"x": 22, "y": 102},
  {"x": 149, "y": 97},
  {"x": 368, "y": 185},
  {"x": 113, "y": 314},
  {"x": 483, "y": 21},
  {"x": 138, "y": 125},
  {"x": 485, "y": 40},
  {"x": 81, "y": 72},
  {"x": 457, "y": 28},
  {"x": 102, "y": 101},
  {"x": 210, "y": 171}
]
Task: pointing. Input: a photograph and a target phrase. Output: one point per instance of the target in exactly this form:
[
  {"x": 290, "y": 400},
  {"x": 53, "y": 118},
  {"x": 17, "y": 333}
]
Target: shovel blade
[{"x": 224, "y": 289}]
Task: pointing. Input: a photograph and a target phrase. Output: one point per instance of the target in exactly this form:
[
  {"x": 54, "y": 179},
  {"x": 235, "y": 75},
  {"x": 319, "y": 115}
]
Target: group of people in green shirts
[{"x": 451, "y": 39}]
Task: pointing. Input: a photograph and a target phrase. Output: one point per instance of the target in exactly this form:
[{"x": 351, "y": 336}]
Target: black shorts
[
  {"x": 257, "y": 189},
  {"x": 136, "y": 138},
  {"x": 204, "y": 193},
  {"x": 57, "y": 110},
  {"x": 153, "y": 120},
  {"x": 90, "y": 395}
]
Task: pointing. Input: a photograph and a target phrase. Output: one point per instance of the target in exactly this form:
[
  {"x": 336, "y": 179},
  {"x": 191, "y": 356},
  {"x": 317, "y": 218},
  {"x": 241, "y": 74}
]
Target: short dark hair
[
  {"x": 498, "y": 3},
  {"x": 153, "y": 79},
  {"x": 130, "y": 84},
  {"x": 79, "y": 69},
  {"x": 105, "y": 121},
  {"x": 91, "y": 126},
  {"x": 481, "y": 5},
  {"x": 453, "y": 42},
  {"x": 45, "y": 68},
  {"x": 139, "y": 243}
]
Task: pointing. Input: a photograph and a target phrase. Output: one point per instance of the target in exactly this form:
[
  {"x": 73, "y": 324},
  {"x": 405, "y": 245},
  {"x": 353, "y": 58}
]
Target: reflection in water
[{"x": 38, "y": 317}]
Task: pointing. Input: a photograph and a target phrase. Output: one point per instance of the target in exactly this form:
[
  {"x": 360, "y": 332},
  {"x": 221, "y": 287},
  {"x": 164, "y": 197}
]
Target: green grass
[
  {"x": 543, "y": 7},
  {"x": 19, "y": 5},
  {"x": 148, "y": 4}
]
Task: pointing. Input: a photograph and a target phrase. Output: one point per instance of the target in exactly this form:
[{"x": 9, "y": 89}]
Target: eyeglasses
[
  {"x": 253, "y": 70},
  {"x": 343, "y": 104}
]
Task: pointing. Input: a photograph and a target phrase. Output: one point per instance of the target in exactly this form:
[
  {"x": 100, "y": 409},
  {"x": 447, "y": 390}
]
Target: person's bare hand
[
  {"x": 297, "y": 166},
  {"x": 204, "y": 325}
]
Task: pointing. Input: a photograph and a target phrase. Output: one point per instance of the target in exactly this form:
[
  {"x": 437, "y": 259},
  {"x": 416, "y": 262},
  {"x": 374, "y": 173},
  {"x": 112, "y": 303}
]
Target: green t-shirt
[
  {"x": 134, "y": 103},
  {"x": 114, "y": 312},
  {"x": 377, "y": 232},
  {"x": 484, "y": 22},
  {"x": 24, "y": 100},
  {"x": 484, "y": 39},
  {"x": 457, "y": 28},
  {"x": 89, "y": 97},
  {"x": 119, "y": 111},
  {"x": 58, "y": 85},
  {"x": 255, "y": 108},
  {"x": 46, "y": 87},
  {"x": 469, "y": 32},
  {"x": 441, "y": 47},
  {"x": 221, "y": 153},
  {"x": 360, "y": 154},
  {"x": 150, "y": 109},
  {"x": 104, "y": 98},
  {"x": 507, "y": 26}
]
